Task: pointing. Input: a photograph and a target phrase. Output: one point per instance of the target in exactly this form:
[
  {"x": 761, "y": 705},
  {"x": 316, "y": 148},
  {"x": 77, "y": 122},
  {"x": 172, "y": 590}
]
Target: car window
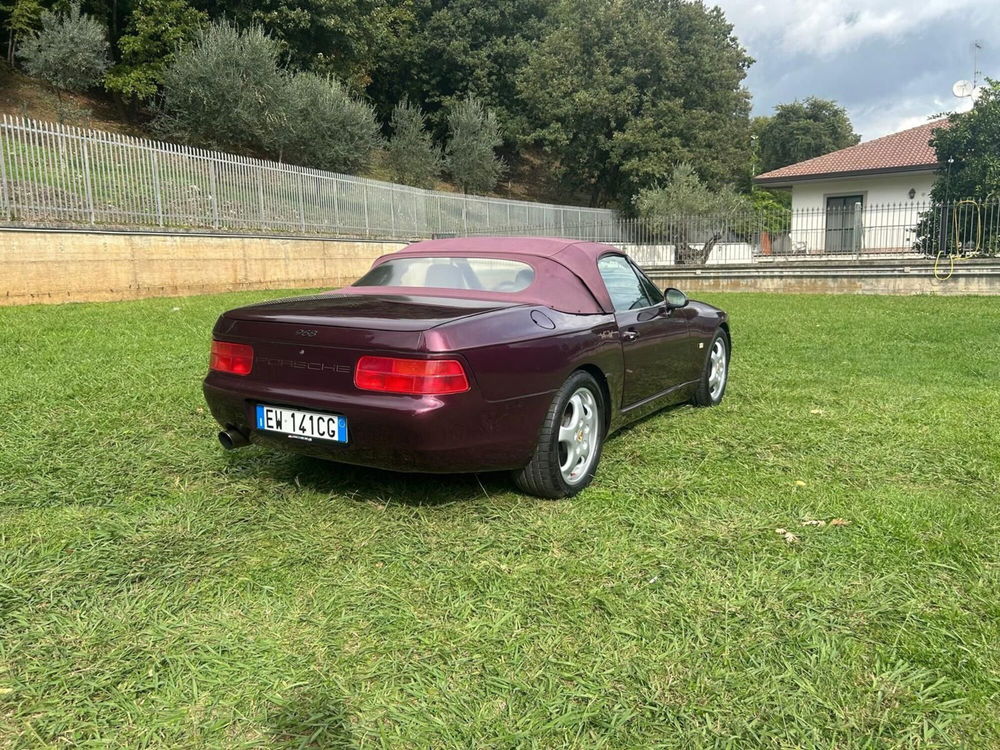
[
  {"x": 485, "y": 274},
  {"x": 652, "y": 291},
  {"x": 624, "y": 285}
]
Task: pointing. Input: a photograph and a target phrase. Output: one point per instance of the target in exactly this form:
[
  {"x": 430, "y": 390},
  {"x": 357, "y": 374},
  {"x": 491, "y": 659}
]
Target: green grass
[{"x": 156, "y": 591}]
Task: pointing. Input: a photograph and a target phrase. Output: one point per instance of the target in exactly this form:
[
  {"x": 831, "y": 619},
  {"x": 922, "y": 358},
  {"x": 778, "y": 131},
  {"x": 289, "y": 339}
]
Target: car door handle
[{"x": 630, "y": 335}]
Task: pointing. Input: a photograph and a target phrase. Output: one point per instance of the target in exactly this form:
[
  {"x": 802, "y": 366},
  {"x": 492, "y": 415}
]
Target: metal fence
[
  {"x": 56, "y": 175},
  {"x": 891, "y": 232}
]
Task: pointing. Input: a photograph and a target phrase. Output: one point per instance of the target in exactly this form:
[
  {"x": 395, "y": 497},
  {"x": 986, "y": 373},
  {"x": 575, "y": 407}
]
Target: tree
[
  {"x": 112, "y": 14},
  {"x": 343, "y": 38},
  {"x": 470, "y": 153},
  {"x": 453, "y": 48},
  {"x": 685, "y": 211},
  {"x": 324, "y": 127},
  {"x": 970, "y": 171},
  {"x": 802, "y": 130},
  {"x": 156, "y": 29},
  {"x": 224, "y": 90},
  {"x": 968, "y": 153},
  {"x": 621, "y": 90},
  {"x": 412, "y": 157},
  {"x": 24, "y": 18},
  {"x": 70, "y": 52}
]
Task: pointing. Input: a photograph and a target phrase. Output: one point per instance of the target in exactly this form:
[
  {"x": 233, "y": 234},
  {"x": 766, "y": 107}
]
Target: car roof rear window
[{"x": 452, "y": 272}]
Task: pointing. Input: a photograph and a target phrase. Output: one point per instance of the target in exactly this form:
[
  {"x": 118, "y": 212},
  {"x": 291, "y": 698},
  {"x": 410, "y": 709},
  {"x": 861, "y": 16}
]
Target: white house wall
[
  {"x": 649, "y": 256},
  {"x": 888, "y": 216}
]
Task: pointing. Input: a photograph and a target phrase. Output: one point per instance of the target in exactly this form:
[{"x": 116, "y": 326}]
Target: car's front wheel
[
  {"x": 569, "y": 443},
  {"x": 715, "y": 376}
]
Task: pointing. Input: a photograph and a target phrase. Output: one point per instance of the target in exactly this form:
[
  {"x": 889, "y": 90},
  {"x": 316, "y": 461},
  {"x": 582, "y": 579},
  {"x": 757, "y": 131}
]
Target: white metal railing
[
  {"x": 888, "y": 231},
  {"x": 56, "y": 175},
  {"x": 59, "y": 175}
]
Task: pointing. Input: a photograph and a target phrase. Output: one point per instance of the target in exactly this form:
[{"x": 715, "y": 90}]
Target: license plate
[{"x": 302, "y": 425}]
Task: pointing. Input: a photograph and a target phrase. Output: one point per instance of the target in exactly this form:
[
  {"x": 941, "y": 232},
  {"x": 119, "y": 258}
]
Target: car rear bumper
[{"x": 435, "y": 434}]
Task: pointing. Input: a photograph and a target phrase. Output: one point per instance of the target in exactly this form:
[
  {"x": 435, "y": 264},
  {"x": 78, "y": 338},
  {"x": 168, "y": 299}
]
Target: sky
[{"x": 891, "y": 63}]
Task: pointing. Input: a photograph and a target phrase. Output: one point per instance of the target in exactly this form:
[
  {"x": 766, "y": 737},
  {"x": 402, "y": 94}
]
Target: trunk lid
[
  {"x": 370, "y": 311},
  {"x": 313, "y": 343}
]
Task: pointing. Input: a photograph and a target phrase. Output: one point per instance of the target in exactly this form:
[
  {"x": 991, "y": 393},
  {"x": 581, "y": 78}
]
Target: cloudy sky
[{"x": 890, "y": 62}]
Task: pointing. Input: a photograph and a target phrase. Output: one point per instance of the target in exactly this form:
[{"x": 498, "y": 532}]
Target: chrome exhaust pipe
[{"x": 231, "y": 439}]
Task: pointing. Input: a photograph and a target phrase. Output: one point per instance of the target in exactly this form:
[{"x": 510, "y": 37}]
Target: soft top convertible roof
[{"x": 566, "y": 275}]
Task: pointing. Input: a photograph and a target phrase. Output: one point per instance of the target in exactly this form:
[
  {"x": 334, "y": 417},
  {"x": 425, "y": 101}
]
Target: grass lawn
[{"x": 156, "y": 591}]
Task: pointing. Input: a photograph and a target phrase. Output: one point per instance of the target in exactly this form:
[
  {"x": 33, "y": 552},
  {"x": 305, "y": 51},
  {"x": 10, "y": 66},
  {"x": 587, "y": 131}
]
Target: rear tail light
[
  {"x": 236, "y": 359},
  {"x": 426, "y": 377}
]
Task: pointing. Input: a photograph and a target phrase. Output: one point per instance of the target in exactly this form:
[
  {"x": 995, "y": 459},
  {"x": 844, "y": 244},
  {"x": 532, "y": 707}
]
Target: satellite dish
[
  {"x": 963, "y": 89},
  {"x": 976, "y": 92}
]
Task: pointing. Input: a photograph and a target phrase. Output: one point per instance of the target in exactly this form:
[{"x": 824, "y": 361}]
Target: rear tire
[
  {"x": 715, "y": 375},
  {"x": 569, "y": 443}
]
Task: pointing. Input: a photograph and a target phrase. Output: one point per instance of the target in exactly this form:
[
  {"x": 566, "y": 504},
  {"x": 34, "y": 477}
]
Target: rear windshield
[{"x": 485, "y": 274}]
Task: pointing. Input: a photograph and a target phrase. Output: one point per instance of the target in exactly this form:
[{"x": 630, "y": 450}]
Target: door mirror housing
[{"x": 674, "y": 298}]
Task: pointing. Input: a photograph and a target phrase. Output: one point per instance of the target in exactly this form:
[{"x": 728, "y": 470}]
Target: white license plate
[{"x": 301, "y": 425}]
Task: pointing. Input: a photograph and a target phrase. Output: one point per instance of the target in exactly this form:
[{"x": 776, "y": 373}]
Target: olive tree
[
  {"x": 470, "y": 154},
  {"x": 690, "y": 215},
  {"x": 69, "y": 52},
  {"x": 224, "y": 90},
  {"x": 322, "y": 126},
  {"x": 412, "y": 157}
]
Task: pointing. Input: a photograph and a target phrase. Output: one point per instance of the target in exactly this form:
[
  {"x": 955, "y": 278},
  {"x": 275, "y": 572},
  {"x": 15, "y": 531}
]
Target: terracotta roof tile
[{"x": 909, "y": 149}]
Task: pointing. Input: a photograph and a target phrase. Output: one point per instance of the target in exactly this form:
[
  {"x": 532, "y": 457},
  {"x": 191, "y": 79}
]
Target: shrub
[
  {"x": 412, "y": 157},
  {"x": 324, "y": 127},
  {"x": 224, "y": 90},
  {"x": 70, "y": 51},
  {"x": 470, "y": 154}
]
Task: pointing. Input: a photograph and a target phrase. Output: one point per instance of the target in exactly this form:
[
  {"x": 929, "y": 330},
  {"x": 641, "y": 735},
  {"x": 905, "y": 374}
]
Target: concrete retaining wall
[
  {"x": 65, "y": 266},
  {"x": 39, "y": 266},
  {"x": 980, "y": 276}
]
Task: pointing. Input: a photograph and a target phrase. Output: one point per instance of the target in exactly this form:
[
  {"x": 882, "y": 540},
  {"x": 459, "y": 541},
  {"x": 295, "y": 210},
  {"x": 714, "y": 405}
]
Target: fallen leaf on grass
[
  {"x": 840, "y": 522},
  {"x": 799, "y": 483},
  {"x": 787, "y": 536},
  {"x": 816, "y": 411},
  {"x": 809, "y": 522},
  {"x": 6, "y": 691}
]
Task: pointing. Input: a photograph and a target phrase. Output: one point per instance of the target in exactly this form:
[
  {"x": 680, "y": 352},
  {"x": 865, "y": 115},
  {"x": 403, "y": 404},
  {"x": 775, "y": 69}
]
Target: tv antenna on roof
[
  {"x": 977, "y": 45},
  {"x": 970, "y": 89}
]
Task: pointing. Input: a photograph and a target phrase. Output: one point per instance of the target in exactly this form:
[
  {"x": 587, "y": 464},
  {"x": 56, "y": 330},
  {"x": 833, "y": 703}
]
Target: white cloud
[
  {"x": 891, "y": 63},
  {"x": 826, "y": 27},
  {"x": 876, "y": 120}
]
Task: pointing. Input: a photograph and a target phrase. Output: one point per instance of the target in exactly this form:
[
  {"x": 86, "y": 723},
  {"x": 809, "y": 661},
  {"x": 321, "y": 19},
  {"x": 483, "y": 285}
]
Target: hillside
[
  {"x": 529, "y": 178},
  {"x": 22, "y": 96}
]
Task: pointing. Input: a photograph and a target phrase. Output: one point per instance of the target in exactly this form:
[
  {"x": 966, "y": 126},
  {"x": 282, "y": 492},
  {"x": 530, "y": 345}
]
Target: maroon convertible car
[{"x": 468, "y": 355}]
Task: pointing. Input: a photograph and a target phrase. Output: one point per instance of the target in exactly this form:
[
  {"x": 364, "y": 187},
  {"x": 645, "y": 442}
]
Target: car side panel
[
  {"x": 528, "y": 351},
  {"x": 704, "y": 321}
]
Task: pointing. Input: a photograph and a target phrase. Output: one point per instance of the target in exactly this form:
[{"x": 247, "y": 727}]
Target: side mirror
[{"x": 674, "y": 298}]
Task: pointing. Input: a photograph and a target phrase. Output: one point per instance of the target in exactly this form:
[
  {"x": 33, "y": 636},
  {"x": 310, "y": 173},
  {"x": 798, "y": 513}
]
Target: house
[{"x": 864, "y": 198}]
